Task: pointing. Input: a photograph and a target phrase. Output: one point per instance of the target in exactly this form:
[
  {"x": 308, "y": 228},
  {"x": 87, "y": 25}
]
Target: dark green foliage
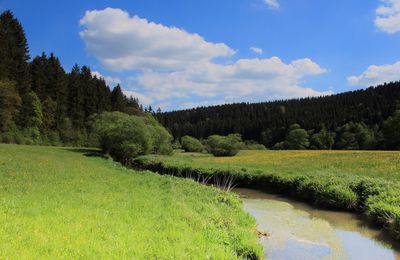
[
  {"x": 355, "y": 136},
  {"x": 31, "y": 112},
  {"x": 124, "y": 137},
  {"x": 391, "y": 131},
  {"x": 56, "y": 106},
  {"x": 266, "y": 138},
  {"x": 191, "y": 144},
  {"x": 49, "y": 109},
  {"x": 118, "y": 99},
  {"x": 10, "y": 103},
  {"x": 268, "y": 122},
  {"x": 253, "y": 145},
  {"x": 297, "y": 138},
  {"x": 279, "y": 146},
  {"x": 224, "y": 145},
  {"x": 14, "y": 53},
  {"x": 323, "y": 140}
]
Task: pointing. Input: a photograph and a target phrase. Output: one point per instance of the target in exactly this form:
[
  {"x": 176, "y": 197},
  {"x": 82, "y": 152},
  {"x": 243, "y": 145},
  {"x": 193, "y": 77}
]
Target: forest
[
  {"x": 362, "y": 119},
  {"x": 41, "y": 103}
]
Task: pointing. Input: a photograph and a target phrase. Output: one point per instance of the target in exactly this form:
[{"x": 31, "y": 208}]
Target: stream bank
[{"x": 300, "y": 231}]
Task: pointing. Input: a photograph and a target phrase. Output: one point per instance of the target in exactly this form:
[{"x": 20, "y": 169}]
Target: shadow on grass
[{"x": 88, "y": 152}]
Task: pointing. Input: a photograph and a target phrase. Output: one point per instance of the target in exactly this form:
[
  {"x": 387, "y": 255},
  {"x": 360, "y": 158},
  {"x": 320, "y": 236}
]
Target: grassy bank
[
  {"x": 59, "y": 203},
  {"x": 364, "y": 181}
]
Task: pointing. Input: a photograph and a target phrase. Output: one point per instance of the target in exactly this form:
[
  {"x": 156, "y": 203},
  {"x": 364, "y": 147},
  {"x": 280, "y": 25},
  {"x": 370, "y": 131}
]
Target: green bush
[
  {"x": 191, "y": 144},
  {"x": 127, "y": 136},
  {"x": 297, "y": 138},
  {"x": 176, "y": 145},
  {"x": 253, "y": 145},
  {"x": 224, "y": 145},
  {"x": 279, "y": 146}
]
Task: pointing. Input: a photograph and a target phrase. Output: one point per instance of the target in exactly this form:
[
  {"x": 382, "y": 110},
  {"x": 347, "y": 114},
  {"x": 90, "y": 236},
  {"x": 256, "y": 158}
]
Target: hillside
[{"x": 370, "y": 106}]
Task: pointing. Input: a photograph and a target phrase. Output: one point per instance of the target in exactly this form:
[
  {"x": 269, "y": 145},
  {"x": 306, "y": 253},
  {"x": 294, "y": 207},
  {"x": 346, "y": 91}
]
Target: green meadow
[
  {"x": 364, "y": 181},
  {"x": 72, "y": 203}
]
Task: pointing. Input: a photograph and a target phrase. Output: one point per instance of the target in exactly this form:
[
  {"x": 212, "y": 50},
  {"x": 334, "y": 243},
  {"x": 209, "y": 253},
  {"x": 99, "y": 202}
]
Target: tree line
[
  {"x": 361, "y": 119},
  {"x": 41, "y": 103}
]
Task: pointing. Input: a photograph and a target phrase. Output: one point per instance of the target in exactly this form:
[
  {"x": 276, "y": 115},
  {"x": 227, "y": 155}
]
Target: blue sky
[{"x": 180, "y": 54}]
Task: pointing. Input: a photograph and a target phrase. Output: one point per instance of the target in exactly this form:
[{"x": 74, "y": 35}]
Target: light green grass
[{"x": 58, "y": 203}]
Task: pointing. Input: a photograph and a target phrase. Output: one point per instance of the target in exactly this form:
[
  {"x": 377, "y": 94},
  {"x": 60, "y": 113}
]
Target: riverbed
[{"x": 299, "y": 231}]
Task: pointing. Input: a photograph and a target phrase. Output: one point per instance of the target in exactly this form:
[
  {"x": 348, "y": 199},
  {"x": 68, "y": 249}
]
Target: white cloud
[
  {"x": 171, "y": 65},
  {"x": 111, "y": 82},
  {"x": 249, "y": 79},
  {"x": 388, "y": 16},
  {"x": 143, "y": 99},
  {"x": 187, "y": 105},
  {"x": 256, "y": 50},
  {"x": 122, "y": 42},
  {"x": 274, "y": 4},
  {"x": 375, "y": 75}
]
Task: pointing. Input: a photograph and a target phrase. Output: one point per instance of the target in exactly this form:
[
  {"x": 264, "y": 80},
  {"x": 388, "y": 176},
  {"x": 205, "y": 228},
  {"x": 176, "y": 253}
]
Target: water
[{"x": 299, "y": 231}]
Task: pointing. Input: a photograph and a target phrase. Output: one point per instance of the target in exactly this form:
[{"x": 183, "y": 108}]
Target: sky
[{"x": 182, "y": 54}]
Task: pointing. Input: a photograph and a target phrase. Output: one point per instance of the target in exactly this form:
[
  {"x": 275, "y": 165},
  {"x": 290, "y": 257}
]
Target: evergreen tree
[
  {"x": 103, "y": 96},
  {"x": 118, "y": 100},
  {"x": 371, "y": 106},
  {"x": 57, "y": 87},
  {"x": 76, "y": 99},
  {"x": 54, "y": 102},
  {"x": 90, "y": 95},
  {"x": 14, "y": 52},
  {"x": 39, "y": 73}
]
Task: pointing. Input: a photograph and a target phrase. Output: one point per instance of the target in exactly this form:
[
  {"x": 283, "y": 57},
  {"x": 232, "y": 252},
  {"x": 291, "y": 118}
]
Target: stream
[{"x": 300, "y": 231}]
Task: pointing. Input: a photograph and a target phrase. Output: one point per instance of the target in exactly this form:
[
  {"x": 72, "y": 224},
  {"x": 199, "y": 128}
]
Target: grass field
[
  {"x": 59, "y": 203},
  {"x": 366, "y": 181},
  {"x": 374, "y": 164}
]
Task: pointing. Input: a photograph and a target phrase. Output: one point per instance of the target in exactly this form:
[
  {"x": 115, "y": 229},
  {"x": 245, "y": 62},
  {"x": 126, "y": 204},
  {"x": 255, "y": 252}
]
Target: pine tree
[
  {"x": 76, "y": 98},
  {"x": 89, "y": 88},
  {"x": 39, "y": 73},
  {"x": 118, "y": 101},
  {"x": 103, "y": 96},
  {"x": 56, "y": 88},
  {"x": 14, "y": 52}
]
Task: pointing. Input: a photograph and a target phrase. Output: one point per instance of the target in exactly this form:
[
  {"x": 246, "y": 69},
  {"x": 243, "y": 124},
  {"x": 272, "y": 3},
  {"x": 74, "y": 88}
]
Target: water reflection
[{"x": 298, "y": 231}]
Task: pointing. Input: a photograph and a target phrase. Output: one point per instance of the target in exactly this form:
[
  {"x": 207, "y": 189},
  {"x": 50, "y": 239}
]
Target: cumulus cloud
[
  {"x": 122, "y": 42},
  {"x": 256, "y": 50},
  {"x": 111, "y": 81},
  {"x": 249, "y": 79},
  {"x": 375, "y": 75},
  {"x": 171, "y": 64},
  {"x": 388, "y": 16},
  {"x": 274, "y": 4}
]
